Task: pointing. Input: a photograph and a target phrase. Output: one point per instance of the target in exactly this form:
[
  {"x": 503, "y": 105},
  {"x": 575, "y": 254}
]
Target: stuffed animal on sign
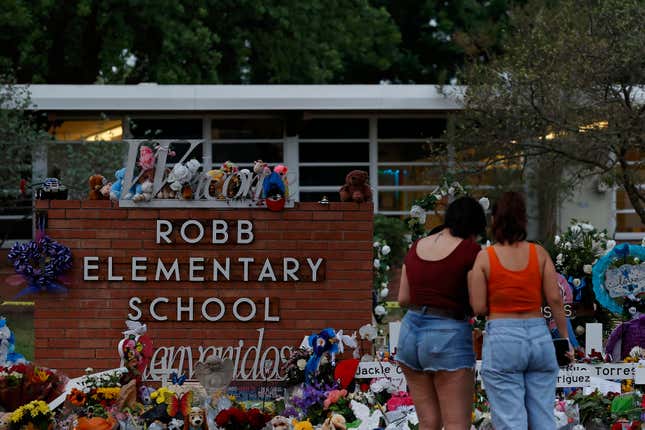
[
  {"x": 117, "y": 186},
  {"x": 356, "y": 188},
  {"x": 230, "y": 169},
  {"x": 216, "y": 183},
  {"x": 197, "y": 419},
  {"x": 96, "y": 183},
  {"x": 144, "y": 193},
  {"x": 282, "y": 170},
  {"x": 274, "y": 192},
  {"x": 179, "y": 176},
  {"x": 261, "y": 170}
]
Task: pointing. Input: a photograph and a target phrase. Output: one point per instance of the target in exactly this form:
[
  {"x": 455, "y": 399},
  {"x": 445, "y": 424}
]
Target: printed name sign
[
  {"x": 574, "y": 376},
  {"x": 377, "y": 369}
]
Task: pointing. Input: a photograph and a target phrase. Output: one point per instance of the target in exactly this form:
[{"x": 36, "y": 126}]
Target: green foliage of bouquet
[{"x": 577, "y": 249}]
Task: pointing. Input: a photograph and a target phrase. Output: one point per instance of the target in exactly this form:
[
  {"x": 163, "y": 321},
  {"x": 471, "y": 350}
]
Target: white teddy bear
[
  {"x": 178, "y": 176},
  {"x": 146, "y": 192}
]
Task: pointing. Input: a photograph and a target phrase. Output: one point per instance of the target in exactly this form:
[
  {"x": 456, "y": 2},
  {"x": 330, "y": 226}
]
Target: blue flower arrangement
[
  {"x": 40, "y": 263},
  {"x": 618, "y": 253}
]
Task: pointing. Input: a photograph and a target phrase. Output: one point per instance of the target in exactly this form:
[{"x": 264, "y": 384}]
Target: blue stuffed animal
[
  {"x": 273, "y": 185},
  {"x": 117, "y": 187},
  {"x": 8, "y": 356}
]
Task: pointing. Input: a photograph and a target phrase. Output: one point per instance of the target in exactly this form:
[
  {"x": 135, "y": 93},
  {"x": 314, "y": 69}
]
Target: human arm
[
  {"x": 477, "y": 285},
  {"x": 404, "y": 289}
]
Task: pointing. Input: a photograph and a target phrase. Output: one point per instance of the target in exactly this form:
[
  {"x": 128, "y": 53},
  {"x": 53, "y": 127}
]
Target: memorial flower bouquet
[
  {"x": 23, "y": 383},
  {"x": 575, "y": 252},
  {"x": 98, "y": 395},
  {"x": 34, "y": 415}
]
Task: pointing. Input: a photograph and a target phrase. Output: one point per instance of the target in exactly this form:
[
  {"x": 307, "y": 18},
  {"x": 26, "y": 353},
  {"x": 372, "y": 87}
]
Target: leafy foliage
[
  {"x": 565, "y": 93},
  {"x": 19, "y": 136}
]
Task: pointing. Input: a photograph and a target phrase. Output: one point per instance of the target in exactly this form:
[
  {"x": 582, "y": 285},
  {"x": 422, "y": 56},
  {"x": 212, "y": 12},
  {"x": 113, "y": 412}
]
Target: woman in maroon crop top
[{"x": 435, "y": 347}]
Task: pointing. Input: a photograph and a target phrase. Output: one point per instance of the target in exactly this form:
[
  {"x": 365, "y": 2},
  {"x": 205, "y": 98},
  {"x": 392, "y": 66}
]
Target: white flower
[
  {"x": 377, "y": 263},
  {"x": 367, "y": 332},
  {"x": 487, "y": 244},
  {"x": 89, "y": 370},
  {"x": 575, "y": 229},
  {"x": 637, "y": 260},
  {"x": 387, "y": 267},
  {"x": 419, "y": 213},
  {"x": 580, "y": 330},
  {"x": 587, "y": 269},
  {"x": 385, "y": 250},
  {"x": 376, "y": 244},
  {"x": 416, "y": 211},
  {"x": 557, "y": 239},
  {"x": 576, "y": 282},
  {"x": 438, "y": 196},
  {"x": 302, "y": 363},
  {"x": 383, "y": 284},
  {"x": 451, "y": 190},
  {"x": 567, "y": 245},
  {"x": 643, "y": 242},
  {"x": 559, "y": 259},
  {"x": 485, "y": 203},
  {"x": 377, "y": 386},
  {"x": 432, "y": 22},
  {"x": 610, "y": 244},
  {"x": 379, "y": 311},
  {"x": 586, "y": 227},
  {"x": 385, "y": 292}
]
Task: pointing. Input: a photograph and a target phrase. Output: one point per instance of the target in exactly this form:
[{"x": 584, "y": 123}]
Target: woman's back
[
  {"x": 514, "y": 280},
  {"x": 437, "y": 268}
]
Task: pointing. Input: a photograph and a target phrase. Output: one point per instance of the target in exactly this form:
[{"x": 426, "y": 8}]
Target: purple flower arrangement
[{"x": 40, "y": 262}]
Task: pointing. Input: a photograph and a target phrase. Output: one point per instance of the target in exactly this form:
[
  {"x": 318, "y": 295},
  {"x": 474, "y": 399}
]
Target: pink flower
[
  {"x": 333, "y": 396},
  {"x": 399, "y": 399}
]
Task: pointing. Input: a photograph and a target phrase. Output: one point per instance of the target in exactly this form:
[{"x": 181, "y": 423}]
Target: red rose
[
  {"x": 222, "y": 418},
  {"x": 238, "y": 418},
  {"x": 257, "y": 419}
]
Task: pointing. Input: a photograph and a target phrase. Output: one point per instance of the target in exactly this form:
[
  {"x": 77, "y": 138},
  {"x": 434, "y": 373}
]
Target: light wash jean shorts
[{"x": 432, "y": 343}]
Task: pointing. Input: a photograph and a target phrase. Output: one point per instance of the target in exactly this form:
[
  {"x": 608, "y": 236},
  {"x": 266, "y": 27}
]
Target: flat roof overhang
[{"x": 209, "y": 98}]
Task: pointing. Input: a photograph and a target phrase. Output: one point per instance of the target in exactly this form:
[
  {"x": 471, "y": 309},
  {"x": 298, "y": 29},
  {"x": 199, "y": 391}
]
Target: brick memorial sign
[{"x": 245, "y": 284}]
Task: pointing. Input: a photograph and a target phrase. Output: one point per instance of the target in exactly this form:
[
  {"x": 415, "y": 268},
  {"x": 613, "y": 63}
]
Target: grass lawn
[{"x": 20, "y": 319}]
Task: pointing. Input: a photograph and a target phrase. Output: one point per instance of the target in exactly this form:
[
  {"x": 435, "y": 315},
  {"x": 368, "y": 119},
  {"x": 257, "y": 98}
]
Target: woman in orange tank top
[{"x": 508, "y": 283}]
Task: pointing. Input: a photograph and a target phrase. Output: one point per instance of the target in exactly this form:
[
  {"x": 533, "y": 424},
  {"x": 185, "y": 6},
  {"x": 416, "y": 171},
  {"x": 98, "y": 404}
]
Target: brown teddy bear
[
  {"x": 356, "y": 188},
  {"x": 96, "y": 183}
]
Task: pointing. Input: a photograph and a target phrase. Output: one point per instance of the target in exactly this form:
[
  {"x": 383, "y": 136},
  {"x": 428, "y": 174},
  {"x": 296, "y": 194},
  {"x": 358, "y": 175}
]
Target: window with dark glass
[{"x": 163, "y": 128}]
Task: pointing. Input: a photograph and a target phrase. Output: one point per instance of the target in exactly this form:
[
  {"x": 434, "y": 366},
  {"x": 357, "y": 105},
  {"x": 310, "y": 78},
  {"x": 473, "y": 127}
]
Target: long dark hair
[
  {"x": 509, "y": 218},
  {"x": 464, "y": 218}
]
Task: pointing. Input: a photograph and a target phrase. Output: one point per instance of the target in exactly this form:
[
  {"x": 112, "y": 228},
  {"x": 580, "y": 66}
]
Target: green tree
[
  {"x": 20, "y": 134},
  {"x": 565, "y": 95},
  {"x": 204, "y": 41},
  {"x": 437, "y": 36}
]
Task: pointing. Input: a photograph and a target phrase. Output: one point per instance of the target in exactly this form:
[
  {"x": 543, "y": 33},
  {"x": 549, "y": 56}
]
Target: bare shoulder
[{"x": 482, "y": 258}]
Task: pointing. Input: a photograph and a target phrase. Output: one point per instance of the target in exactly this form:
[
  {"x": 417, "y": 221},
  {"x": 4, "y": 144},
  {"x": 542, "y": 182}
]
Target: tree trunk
[{"x": 635, "y": 197}]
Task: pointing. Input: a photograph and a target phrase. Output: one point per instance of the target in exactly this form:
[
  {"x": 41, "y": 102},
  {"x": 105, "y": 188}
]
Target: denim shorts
[{"x": 431, "y": 343}]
